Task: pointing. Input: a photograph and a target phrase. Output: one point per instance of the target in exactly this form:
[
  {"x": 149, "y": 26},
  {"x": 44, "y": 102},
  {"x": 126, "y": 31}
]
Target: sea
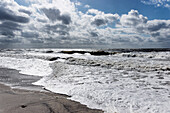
[{"x": 114, "y": 80}]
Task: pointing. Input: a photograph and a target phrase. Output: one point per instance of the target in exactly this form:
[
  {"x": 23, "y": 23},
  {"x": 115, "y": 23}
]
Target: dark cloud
[
  {"x": 99, "y": 22},
  {"x": 41, "y": 20},
  {"x": 10, "y": 25},
  {"x": 155, "y": 34},
  {"x": 8, "y": 40},
  {"x": 7, "y": 28},
  {"x": 157, "y": 25},
  {"x": 54, "y": 14},
  {"x": 6, "y": 14},
  {"x": 7, "y": 33},
  {"x": 25, "y": 11},
  {"x": 156, "y": 28},
  {"x": 65, "y": 18},
  {"x": 94, "y": 34},
  {"x": 104, "y": 19},
  {"x": 58, "y": 28},
  {"x": 30, "y": 34}
]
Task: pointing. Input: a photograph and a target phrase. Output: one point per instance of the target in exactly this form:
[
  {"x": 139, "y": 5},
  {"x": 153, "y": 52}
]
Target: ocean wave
[{"x": 123, "y": 83}]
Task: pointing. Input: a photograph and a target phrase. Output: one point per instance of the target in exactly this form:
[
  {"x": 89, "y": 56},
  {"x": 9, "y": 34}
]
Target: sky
[{"x": 85, "y": 24}]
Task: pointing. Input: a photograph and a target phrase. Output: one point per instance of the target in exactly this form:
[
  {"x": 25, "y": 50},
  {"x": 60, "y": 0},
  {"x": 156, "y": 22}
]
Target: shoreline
[{"x": 16, "y": 100}]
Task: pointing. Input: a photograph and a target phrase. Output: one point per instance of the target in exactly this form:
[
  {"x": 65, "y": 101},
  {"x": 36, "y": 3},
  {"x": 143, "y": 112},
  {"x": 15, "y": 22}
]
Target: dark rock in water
[
  {"x": 72, "y": 52},
  {"x": 23, "y": 106},
  {"x": 160, "y": 77},
  {"x": 50, "y": 51},
  {"x": 95, "y": 53},
  {"x": 119, "y": 98},
  {"x": 133, "y": 56},
  {"x": 97, "y": 65},
  {"x": 166, "y": 69},
  {"x": 157, "y": 88},
  {"x": 54, "y": 58},
  {"x": 98, "y": 53}
]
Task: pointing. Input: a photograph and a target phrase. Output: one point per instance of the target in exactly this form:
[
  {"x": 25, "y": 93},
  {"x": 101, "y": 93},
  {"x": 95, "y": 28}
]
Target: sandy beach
[{"x": 29, "y": 101}]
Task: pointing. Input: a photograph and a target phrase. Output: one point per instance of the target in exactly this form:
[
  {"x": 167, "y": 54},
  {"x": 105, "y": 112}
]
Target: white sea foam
[
  {"x": 27, "y": 66},
  {"x": 140, "y": 90},
  {"x": 121, "y": 83}
]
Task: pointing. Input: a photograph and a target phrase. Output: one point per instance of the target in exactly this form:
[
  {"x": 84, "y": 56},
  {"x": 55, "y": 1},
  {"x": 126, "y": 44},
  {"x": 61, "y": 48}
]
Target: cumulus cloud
[
  {"x": 99, "y": 21},
  {"x": 132, "y": 19},
  {"x": 58, "y": 22},
  {"x": 104, "y": 19},
  {"x": 156, "y": 25},
  {"x": 159, "y": 29},
  {"x": 101, "y": 18},
  {"x": 95, "y": 11},
  {"x": 54, "y": 14}
]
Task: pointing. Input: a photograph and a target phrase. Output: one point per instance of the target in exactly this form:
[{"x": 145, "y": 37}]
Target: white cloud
[
  {"x": 100, "y": 18},
  {"x": 167, "y": 5},
  {"x": 95, "y": 11},
  {"x": 87, "y": 6},
  {"x": 58, "y": 22},
  {"x": 133, "y": 19},
  {"x": 157, "y": 3},
  {"x": 78, "y": 3},
  {"x": 157, "y": 30},
  {"x": 104, "y": 19}
]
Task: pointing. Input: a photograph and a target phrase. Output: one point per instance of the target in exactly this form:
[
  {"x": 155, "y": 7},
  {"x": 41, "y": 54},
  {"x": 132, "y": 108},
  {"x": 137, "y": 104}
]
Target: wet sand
[{"x": 31, "y": 101}]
